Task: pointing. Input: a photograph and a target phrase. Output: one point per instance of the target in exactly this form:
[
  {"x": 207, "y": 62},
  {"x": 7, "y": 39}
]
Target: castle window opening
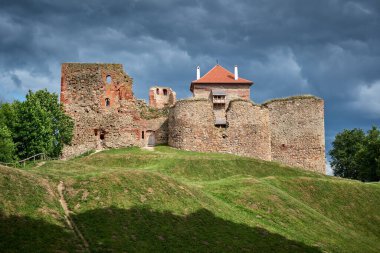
[
  {"x": 220, "y": 122},
  {"x": 165, "y": 92},
  {"x": 218, "y": 97},
  {"x": 108, "y": 79},
  {"x": 157, "y": 91},
  {"x": 96, "y": 132},
  {"x": 108, "y": 102},
  {"x": 102, "y": 135},
  {"x": 142, "y": 135}
]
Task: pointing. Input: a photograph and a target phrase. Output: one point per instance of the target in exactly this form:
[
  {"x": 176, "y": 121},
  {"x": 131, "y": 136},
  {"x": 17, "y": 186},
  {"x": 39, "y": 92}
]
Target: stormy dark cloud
[{"x": 329, "y": 48}]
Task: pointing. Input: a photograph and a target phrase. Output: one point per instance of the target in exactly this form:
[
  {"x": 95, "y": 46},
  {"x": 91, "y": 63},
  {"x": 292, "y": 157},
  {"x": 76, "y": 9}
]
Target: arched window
[
  {"x": 157, "y": 91},
  {"x": 108, "y": 102},
  {"x": 165, "y": 92},
  {"x": 108, "y": 79},
  {"x": 102, "y": 134}
]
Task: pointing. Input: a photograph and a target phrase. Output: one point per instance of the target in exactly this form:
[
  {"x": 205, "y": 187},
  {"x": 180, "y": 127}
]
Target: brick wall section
[
  {"x": 84, "y": 90},
  {"x": 160, "y": 126},
  {"x": 161, "y": 99},
  {"x": 248, "y": 130},
  {"x": 297, "y": 132},
  {"x": 191, "y": 127},
  {"x": 233, "y": 91}
]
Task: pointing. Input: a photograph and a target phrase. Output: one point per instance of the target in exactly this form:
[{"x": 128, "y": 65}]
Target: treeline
[
  {"x": 36, "y": 125},
  {"x": 356, "y": 154}
]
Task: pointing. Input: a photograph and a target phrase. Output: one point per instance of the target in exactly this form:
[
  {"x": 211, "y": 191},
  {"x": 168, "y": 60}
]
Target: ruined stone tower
[
  {"x": 160, "y": 97},
  {"x": 99, "y": 98}
]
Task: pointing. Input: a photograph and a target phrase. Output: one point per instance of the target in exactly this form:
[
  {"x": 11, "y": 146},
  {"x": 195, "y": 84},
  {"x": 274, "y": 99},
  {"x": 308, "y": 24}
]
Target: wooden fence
[{"x": 38, "y": 157}]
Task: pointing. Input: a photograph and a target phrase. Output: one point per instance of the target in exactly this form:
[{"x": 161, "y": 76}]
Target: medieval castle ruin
[{"x": 220, "y": 117}]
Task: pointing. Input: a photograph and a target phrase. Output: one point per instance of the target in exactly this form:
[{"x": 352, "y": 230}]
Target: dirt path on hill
[
  {"x": 39, "y": 164},
  {"x": 69, "y": 221}
]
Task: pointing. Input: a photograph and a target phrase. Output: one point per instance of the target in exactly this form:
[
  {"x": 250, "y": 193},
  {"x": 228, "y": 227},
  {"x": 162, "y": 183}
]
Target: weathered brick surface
[
  {"x": 160, "y": 97},
  {"x": 233, "y": 91},
  {"x": 290, "y": 131},
  {"x": 84, "y": 90},
  {"x": 297, "y": 132},
  {"x": 191, "y": 127}
]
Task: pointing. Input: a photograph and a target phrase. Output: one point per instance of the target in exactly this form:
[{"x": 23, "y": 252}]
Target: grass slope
[{"x": 132, "y": 200}]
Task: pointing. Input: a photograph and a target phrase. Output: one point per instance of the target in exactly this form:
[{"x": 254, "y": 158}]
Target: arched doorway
[
  {"x": 100, "y": 136},
  {"x": 151, "y": 138}
]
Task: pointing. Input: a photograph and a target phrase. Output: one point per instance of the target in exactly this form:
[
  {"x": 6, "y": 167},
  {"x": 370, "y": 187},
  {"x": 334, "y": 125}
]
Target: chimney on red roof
[
  {"x": 236, "y": 73},
  {"x": 198, "y": 73}
]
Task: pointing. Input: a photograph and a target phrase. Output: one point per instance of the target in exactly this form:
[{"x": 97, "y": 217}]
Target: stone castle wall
[
  {"x": 290, "y": 131},
  {"x": 100, "y": 100},
  {"x": 160, "y": 97},
  {"x": 191, "y": 127},
  {"x": 297, "y": 132}
]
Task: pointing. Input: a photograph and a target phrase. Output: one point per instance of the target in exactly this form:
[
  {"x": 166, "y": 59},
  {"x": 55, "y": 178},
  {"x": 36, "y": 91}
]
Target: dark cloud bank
[{"x": 327, "y": 48}]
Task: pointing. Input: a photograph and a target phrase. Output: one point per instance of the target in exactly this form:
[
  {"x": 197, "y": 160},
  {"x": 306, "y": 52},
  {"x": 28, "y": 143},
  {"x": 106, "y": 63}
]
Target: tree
[
  {"x": 369, "y": 157},
  {"x": 42, "y": 126},
  {"x": 7, "y": 147},
  {"x": 356, "y": 155},
  {"x": 344, "y": 151}
]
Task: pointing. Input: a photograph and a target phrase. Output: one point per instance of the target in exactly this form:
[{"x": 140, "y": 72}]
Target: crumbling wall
[
  {"x": 100, "y": 100},
  {"x": 297, "y": 132},
  {"x": 160, "y": 97},
  {"x": 191, "y": 127},
  {"x": 248, "y": 130}
]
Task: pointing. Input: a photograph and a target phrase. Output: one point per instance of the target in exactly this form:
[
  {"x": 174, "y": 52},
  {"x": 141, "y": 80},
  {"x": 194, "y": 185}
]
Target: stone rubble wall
[
  {"x": 191, "y": 127},
  {"x": 160, "y": 126},
  {"x": 290, "y": 131},
  {"x": 84, "y": 90},
  {"x": 297, "y": 132},
  {"x": 248, "y": 130},
  {"x": 161, "y": 100}
]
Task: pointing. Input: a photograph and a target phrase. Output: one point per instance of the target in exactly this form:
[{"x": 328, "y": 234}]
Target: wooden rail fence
[{"x": 38, "y": 157}]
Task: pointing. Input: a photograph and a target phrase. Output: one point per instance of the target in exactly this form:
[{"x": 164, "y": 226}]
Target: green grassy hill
[{"x": 133, "y": 200}]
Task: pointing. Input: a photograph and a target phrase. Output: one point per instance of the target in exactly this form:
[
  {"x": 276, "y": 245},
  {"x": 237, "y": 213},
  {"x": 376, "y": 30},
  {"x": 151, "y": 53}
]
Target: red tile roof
[{"x": 218, "y": 74}]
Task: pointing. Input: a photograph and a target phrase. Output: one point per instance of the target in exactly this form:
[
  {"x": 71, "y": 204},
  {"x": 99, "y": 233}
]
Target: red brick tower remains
[
  {"x": 160, "y": 97},
  {"x": 99, "y": 98}
]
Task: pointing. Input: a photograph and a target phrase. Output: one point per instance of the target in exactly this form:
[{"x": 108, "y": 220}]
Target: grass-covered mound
[{"x": 132, "y": 200}]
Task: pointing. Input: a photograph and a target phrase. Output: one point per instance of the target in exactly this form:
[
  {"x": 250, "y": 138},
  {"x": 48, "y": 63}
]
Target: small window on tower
[
  {"x": 165, "y": 92},
  {"x": 108, "y": 102},
  {"x": 109, "y": 79},
  {"x": 157, "y": 91},
  {"x": 142, "y": 135}
]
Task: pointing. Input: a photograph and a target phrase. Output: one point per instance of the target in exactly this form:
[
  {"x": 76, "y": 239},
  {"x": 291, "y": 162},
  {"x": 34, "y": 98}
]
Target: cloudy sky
[{"x": 329, "y": 48}]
